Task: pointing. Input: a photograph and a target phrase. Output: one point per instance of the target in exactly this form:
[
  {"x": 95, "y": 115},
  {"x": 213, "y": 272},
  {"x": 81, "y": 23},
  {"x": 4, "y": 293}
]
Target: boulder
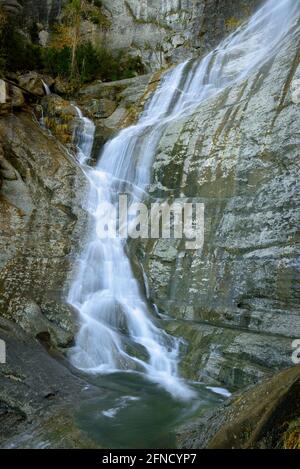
[
  {"x": 44, "y": 36},
  {"x": 60, "y": 117},
  {"x": 101, "y": 108},
  {"x": 265, "y": 416},
  {"x": 114, "y": 105},
  {"x": 17, "y": 99},
  {"x": 55, "y": 326},
  {"x": 62, "y": 86},
  {"x": 32, "y": 82}
]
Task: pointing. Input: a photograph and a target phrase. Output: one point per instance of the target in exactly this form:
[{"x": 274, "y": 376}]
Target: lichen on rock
[{"x": 236, "y": 301}]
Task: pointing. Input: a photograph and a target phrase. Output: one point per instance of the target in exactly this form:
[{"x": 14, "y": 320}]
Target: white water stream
[
  {"x": 117, "y": 330},
  {"x": 46, "y": 88}
]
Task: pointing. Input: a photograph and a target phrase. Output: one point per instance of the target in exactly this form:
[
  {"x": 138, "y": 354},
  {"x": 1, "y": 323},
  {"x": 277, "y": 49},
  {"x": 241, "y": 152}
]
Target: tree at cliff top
[{"x": 74, "y": 12}]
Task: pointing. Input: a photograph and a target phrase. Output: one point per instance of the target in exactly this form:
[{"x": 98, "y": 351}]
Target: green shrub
[
  {"x": 88, "y": 62},
  {"x": 18, "y": 54},
  {"x": 118, "y": 66},
  {"x": 92, "y": 63},
  {"x": 57, "y": 62}
]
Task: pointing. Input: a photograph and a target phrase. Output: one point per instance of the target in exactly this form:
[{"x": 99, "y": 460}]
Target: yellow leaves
[
  {"x": 74, "y": 11},
  {"x": 62, "y": 37},
  {"x": 233, "y": 23},
  {"x": 63, "y": 133},
  {"x": 70, "y": 34},
  {"x": 291, "y": 438},
  {"x": 60, "y": 129}
]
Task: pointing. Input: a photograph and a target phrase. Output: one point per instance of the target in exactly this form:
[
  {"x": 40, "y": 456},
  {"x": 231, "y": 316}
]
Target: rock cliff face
[
  {"x": 161, "y": 32},
  {"x": 41, "y": 11},
  {"x": 172, "y": 31},
  {"x": 237, "y": 300},
  {"x": 115, "y": 105},
  {"x": 41, "y": 230},
  {"x": 41, "y": 226}
]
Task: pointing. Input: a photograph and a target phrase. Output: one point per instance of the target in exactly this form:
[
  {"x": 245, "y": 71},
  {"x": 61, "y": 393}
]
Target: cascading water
[
  {"x": 117, "y": 331},
  {"x": 85, "y": 140},
  {"x": 46, "y": 88}
]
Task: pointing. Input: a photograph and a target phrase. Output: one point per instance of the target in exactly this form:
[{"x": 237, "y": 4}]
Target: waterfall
[
  {"x": 46, "y": 88},
  {"x": 85, "y": 137},
  {"x": 117, "y": 331}
]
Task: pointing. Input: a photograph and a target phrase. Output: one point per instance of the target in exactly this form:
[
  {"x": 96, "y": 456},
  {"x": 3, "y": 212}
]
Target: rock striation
[
  {"x": 41, "y": 228},
  {"x": 236, "y": 301},
  {"x": 160, "y": 32}
]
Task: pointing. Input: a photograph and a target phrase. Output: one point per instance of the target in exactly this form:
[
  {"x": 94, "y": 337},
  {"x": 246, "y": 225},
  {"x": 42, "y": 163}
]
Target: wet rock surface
[
  {"x": 236, "y": 301},
  {"x": 115, "y": 105},
  {"x": 266, "y": 416},
  {"x": 38, "y": 393},
  {"x": 42, "y": 226}
]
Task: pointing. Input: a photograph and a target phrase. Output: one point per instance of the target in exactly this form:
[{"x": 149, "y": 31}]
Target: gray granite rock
[
  {"x": 172, "y": 31},
  {"x": 160, "y": 32},
  {"x": 236, "y": 301},
  {"x": 42, "y": 228},
  {"x": 38, "y": 393}
]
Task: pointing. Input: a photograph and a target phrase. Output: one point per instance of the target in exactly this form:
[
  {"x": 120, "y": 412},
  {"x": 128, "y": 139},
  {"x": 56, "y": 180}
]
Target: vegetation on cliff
[
  {"x": 69, "y": 54},
  {"x": 16, "y": 51}
]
